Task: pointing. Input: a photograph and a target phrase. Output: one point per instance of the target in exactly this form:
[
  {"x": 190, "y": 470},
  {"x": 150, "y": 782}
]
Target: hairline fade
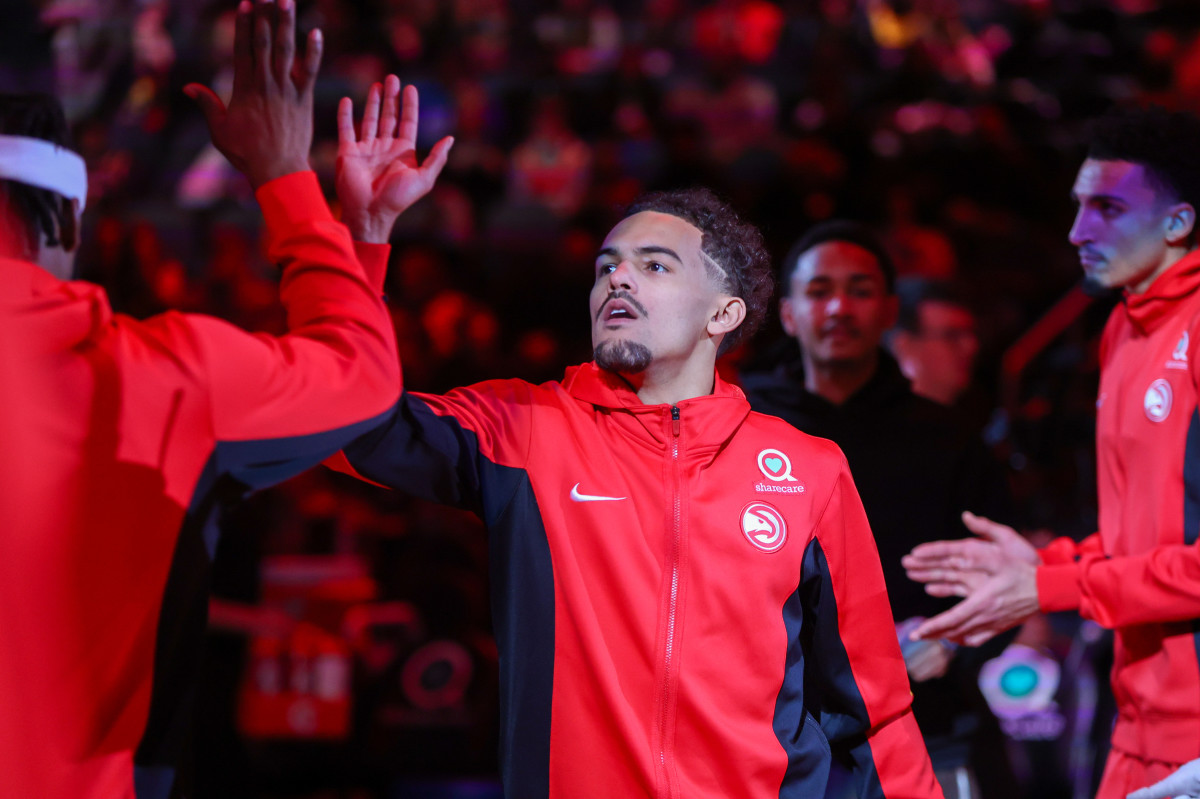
[
  {"x": 1166, "y": 144},
  {"x": 732, "y": 250},
  {"x": 845, "y": 231}
]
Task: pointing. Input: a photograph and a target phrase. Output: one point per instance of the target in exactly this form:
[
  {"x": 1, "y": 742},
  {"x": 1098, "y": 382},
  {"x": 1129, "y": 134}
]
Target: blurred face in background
[
  {"x": 939, "y": 356},
  {"x": 838, "y": 306}
]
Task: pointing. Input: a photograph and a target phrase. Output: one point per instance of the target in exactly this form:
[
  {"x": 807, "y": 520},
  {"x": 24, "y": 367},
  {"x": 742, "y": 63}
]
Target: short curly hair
[
  {"x": 736, "y": 247},
  {"x": 1166, "y": 144}
]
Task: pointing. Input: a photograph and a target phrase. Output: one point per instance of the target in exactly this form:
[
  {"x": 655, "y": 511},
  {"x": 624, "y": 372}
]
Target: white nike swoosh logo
[{"x": 575, "y": 495}]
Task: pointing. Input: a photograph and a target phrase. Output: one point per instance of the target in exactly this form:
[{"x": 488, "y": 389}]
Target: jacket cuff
[
  {"x": 1058, "y": 587},
  {"x": 292, "y": 200},
  {"x": 374, "y": 260}
]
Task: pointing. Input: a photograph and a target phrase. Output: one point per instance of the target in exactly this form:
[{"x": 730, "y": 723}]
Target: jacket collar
[
  {"x": 705, "y": 421},
  {"x": 1148, "y": 309}
]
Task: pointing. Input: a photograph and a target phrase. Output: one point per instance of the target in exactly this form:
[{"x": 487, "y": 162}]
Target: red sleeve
[
  {"x": 1162, "y": 585},
  {"x": 336, "y": 366},
  {"x": 871, "y": 680},
  {"x": 374, "y": 260}
]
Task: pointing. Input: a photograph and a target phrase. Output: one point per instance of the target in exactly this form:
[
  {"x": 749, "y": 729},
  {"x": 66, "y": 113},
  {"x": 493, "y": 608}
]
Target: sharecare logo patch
[
  {"x": 1157, "y": 401},
  {"x": 775, "y": 466},
  {"x": 764, "y": 526}
]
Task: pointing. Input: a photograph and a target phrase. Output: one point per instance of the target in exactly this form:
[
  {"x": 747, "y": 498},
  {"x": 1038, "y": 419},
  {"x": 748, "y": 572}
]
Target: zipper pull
[{"x": 675, "y": 420}]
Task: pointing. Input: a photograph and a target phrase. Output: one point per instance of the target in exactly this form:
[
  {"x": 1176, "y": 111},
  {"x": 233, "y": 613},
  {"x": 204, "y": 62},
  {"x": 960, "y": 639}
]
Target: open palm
[{"x": 378, "y": 174}]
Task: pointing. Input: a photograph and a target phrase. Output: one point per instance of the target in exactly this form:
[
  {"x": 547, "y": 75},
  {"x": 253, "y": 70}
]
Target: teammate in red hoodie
[
  {"x": 123, "y": 438},
  {"x": 1139, "y": 574},
  {"x": 686, "y": 595}
]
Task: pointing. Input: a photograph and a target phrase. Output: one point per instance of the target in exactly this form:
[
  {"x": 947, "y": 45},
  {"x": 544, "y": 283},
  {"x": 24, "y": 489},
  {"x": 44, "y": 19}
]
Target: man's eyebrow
[
  {"x": 652, "y": 249},
  {"x": 1108, "y": 198}
]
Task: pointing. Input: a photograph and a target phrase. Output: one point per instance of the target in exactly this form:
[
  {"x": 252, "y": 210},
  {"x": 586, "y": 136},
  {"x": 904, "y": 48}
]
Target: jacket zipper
[{"x": 672, "y": 607}]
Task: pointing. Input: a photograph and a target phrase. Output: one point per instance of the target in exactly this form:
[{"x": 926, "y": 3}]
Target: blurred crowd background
[{"x": 350, "y": 653}]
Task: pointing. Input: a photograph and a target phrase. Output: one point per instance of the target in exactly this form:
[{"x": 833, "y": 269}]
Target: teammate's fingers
[
  {"x": 947, "y": 624},
  {"x": 370, "y": 120},
  {"x": 305, "y": 72},
  {"x": 210, "y": 104},
  {"x": 391, "y": 103},
  {"x": 410, "y": 108},
  {"x": 243, "y": 56},
  {"x": 437, "y": 159},
  {"x": 285, "y": 42},
  {"x": 345, "y": 121},
  {"x": 261, "y": 46},
  {"x": 944, "y": 589},
  {"x": 938, "y": 550},
  {"x": 985, "y": 527}
]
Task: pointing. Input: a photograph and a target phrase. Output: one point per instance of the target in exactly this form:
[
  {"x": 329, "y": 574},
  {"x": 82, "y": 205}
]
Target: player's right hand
[{"x": 266, "y": 130}]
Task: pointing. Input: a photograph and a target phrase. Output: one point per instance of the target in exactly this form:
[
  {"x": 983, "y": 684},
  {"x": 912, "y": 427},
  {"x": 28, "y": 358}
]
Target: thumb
[
  {"x": 437, "y": 159},
  {"x": 209, "y": 103},
  {"x": 983, "y": 527}
]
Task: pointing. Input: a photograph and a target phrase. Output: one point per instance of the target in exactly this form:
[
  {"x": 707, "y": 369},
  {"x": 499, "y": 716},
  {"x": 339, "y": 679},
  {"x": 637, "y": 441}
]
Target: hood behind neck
[{"x": 60, "y": 313}]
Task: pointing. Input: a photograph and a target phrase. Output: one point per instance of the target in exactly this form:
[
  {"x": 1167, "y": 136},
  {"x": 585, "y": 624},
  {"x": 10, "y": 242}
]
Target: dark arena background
[{"x": 349, "y": 652}]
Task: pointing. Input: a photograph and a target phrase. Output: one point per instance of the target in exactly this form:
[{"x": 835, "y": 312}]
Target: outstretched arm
[{"x": 280, "y": 404}]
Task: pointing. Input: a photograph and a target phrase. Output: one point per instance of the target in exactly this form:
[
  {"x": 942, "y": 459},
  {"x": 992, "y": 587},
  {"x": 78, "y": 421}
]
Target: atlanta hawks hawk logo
[
  {"x": 764, "y": 526},
  {"x": 1157, "y": 401}
]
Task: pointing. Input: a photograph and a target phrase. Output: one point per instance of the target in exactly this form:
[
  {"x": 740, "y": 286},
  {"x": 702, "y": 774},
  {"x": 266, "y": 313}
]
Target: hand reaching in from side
[
  {"x": 997, "y": 573},
  {"x": 378, "y": 174}
]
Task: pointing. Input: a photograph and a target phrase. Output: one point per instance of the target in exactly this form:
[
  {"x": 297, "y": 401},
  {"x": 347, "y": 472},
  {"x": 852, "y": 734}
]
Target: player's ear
[
  {"x": 728, "y": 316},
  {"x": 1180, "y": 224}
]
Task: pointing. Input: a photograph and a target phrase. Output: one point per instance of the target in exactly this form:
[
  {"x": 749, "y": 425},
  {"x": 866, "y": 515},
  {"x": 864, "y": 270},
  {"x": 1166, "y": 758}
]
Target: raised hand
[
  {"x": 266, "y": 131},
  {"x": 378, "y": 174}
]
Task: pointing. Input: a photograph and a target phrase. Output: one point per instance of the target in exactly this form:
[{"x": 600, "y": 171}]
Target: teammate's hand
[
  {"x": 378, "y": 175},
  {"x": 1183, "y": 784},
  {"x": 267, "y": 129},
  {"x": 996, "y": 572},
  {"x": 955, "y": 568}
]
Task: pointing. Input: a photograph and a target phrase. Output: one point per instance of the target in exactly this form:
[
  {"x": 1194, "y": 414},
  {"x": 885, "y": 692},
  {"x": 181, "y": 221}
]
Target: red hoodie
[
  {"x": 1140, "y": 573},
  {"x": 122, "y": 439}
]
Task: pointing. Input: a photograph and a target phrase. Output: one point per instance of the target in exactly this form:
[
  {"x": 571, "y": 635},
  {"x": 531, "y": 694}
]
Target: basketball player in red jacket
[
  {"x": 1139, "y": 574},
  {"x": 123, "y": 438},
  {"x": 687, "y": 598}
]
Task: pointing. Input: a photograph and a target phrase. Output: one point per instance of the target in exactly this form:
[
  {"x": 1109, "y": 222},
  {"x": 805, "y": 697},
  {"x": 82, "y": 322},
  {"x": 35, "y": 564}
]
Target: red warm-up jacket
[
  {"x": 1140, "y": 573},
  {"x": 122, "y": 439},
  {"x": 687, "y": 599}
]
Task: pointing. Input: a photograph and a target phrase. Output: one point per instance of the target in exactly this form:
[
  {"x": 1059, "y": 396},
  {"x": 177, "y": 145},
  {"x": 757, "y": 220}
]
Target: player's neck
[{"x": 672, "y": 382}]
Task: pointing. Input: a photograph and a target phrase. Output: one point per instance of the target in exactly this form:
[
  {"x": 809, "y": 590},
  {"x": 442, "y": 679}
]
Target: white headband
[{"x": 45, "y": 165}]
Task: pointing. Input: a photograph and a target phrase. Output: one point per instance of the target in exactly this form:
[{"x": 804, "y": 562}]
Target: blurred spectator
[{"x": 935, "y": 340}]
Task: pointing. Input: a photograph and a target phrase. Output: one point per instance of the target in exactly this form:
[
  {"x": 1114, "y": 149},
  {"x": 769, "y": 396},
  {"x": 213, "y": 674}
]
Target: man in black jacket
[{"x": 916, "y": 465}]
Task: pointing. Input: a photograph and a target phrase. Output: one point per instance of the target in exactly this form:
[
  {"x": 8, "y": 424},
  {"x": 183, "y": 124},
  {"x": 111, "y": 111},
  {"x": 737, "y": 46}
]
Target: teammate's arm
[{"x": 280, "y": 404}]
